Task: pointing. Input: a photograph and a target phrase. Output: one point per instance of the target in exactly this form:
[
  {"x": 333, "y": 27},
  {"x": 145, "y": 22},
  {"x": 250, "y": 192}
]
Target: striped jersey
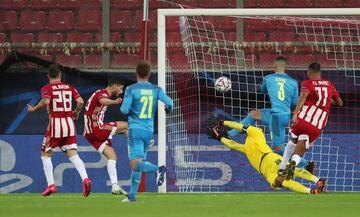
[
  {"x": 61, "y": 96},
  {"x": 95, "y": 111},
  {"x": 316, "y": 108}
]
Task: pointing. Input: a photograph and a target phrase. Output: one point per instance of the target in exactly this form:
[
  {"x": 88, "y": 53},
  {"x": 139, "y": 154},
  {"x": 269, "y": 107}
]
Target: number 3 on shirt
[
  {"x": 147, "y": 102},
  {"x": 281, "y": 92}
]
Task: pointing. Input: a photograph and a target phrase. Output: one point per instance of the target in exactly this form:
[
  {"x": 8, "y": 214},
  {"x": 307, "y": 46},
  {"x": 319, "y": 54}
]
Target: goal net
[{"x": 202, "y": 48}]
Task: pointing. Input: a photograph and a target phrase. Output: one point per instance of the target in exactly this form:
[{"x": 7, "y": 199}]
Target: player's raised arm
[
  {"x": 107, "y": 102},
  {"x": 169, "y": 104},
  {"x": 128, "y": 98}
]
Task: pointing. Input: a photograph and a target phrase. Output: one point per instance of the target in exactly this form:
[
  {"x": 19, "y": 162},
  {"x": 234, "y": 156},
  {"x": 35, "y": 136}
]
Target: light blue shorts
[{"x": 138, "y": 141}]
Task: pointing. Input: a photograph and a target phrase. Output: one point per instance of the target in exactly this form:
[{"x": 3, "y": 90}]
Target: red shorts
[
  {"x": 100, "y": 137},
  {"x": 64, "y": 144},
  {"x": 305, "y": 130}
]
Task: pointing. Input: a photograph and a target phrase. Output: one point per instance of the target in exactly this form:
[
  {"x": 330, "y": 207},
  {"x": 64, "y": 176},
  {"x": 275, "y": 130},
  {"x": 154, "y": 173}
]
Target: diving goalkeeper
[{"x": 261, "y": 157}]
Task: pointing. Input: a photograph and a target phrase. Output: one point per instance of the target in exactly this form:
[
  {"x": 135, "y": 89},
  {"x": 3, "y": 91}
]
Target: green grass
[{"x": 183, "y": 205}]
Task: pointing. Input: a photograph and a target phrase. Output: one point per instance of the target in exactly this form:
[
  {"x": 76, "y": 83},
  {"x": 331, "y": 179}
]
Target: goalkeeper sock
[
  {"x": 135, "y": 182},
  {"x": 111, "y": 168},
  {"x": 295, "y": 186},
  {"x": 296, "y": 158},
  {"x": 48, "y": 169},
  {"x": 79, "y": 165},
  {"x": 289, "y": 151},
  {"x": 147, "y": 167}
]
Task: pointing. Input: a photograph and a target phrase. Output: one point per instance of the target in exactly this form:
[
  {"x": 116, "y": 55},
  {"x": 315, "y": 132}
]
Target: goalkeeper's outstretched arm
[
  {"x": 234, "y": 125},
  {"x": 233, "y": 145},
  {"x": 216, "y": 131},
  {"x": 251, "y": 131}
]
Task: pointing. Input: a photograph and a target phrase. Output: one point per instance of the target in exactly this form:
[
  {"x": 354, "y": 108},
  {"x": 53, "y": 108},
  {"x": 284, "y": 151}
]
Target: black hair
[
  {"x": 314, "y": 67},
  {"x": 54, "y": 71},
  {"x": 114, "y": 81}
]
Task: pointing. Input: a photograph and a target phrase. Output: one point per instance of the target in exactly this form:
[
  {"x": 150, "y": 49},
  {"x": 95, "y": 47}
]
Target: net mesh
[{"x": 197, "y": 163}]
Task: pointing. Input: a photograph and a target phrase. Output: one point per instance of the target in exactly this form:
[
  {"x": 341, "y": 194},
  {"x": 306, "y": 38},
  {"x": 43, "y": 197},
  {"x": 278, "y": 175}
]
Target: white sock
[
  {"x": 289, "y": 151},
  {"x": 48, "y": 169},
  {"x": 111, "y": 168},
  {"x": 296, "y": 158},
  {"x": 79, "y": 165}
]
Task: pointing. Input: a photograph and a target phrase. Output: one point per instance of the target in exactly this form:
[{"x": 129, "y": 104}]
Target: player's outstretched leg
[
  {"x": 296, "y": 186},
  {"x": 80, "y": 167},
  {"x": 110, "y": 154}
]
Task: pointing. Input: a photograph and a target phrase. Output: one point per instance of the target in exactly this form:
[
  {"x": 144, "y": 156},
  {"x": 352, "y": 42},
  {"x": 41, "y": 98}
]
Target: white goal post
[{"x": 161, "y": 37}]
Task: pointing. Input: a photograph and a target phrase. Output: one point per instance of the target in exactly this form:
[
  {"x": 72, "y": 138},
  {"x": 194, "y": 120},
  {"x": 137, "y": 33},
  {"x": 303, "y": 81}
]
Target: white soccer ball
[{"x": 223, "y": 84}]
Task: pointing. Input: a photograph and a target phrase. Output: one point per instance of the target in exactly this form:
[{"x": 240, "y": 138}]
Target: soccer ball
[{"x": 223, "y": 84}]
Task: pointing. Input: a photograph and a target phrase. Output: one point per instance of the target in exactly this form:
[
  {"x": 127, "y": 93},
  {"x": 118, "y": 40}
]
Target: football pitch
[{"x": 182, "y": 205}]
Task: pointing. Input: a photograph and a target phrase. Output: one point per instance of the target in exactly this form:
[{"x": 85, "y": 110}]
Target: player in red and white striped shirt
[
  {"x": 100, "y": 134},
  {"x": 310, "y": 116},
  {"x": 58, "y": 97}
]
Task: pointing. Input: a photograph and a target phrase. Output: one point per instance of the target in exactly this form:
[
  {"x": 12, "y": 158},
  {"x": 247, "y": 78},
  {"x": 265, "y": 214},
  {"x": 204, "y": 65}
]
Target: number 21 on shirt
[{"x": 147, "y": 104}]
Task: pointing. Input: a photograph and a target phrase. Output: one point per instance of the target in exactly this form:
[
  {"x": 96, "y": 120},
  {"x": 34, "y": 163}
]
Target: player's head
[
  {"x": 280, "y": 64},
  {"x": 54, "y": 72},
  {"x": 115, "y": 86},
  {"x": 314, "y": 70},
  {"x": 143, "y": 70}
]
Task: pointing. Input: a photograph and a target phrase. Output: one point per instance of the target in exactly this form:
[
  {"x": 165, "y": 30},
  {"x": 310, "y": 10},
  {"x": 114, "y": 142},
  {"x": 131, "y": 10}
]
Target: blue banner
[
  {"x": 214, "y": 167},
  {"x": 21, "y": 167}
]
